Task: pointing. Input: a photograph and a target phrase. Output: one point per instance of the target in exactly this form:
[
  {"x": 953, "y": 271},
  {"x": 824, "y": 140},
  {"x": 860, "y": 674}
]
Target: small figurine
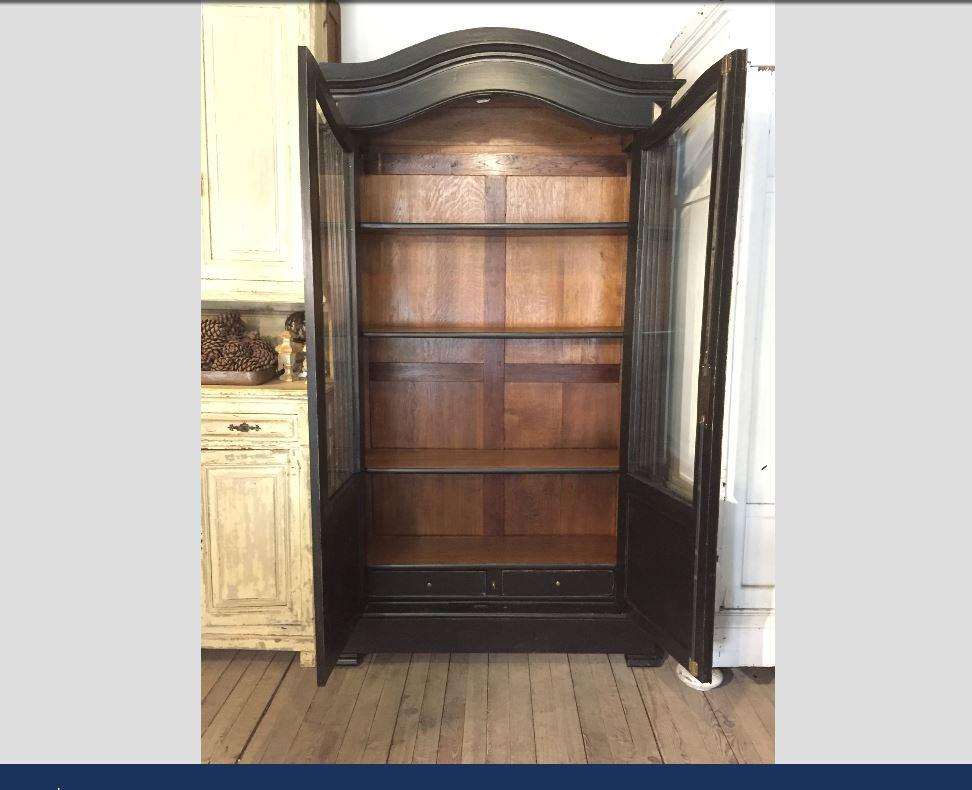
[{"x": 286, "y": 354}]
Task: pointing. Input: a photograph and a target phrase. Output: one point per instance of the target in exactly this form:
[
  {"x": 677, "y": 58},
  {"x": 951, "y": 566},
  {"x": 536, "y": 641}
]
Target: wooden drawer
[
  {"x": 426, "y": 583},
  {"x": 576, "y": 583},
  {"x": 251, "y": 427}
]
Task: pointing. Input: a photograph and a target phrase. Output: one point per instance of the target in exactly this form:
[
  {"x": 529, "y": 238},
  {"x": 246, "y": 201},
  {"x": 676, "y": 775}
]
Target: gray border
[{"x": 100, "y": 423}]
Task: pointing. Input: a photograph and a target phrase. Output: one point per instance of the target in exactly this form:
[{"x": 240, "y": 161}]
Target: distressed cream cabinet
[
  {"x": 250, "y": 181},
  {"x": 257, "y": 570}
]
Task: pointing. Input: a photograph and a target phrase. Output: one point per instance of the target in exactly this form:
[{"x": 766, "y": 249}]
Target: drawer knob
[
  {"x": 557, "y": 583},
  {"x": 428, "y": 585},
  {"x": 244, "y": 427}
]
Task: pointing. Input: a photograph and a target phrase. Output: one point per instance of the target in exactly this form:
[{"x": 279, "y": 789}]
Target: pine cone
[
  {"x": 224, "y": 325},
  {"x": 234, "y": 323},
  {"x": 212, "y": 329},
  {"x": 210, "y": 350},
  {"x": 226, "y": 345}
]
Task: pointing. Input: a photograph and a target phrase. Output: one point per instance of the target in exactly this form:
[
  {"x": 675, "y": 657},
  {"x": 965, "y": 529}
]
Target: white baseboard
[{"x": 744, "y": 638}]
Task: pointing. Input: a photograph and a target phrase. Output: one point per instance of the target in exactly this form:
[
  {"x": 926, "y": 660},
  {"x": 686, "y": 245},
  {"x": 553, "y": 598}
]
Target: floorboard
[
  {"x": 430, "y": 717},
  {"x": 214, "y": 663},
  {"x": 263, "y": 707},
  {"x": 402, "y": 748},
  {"x": 644, "y": 745},
  {"x": 453, "y": 711},
  {"x": 684, "y": 724},
  {"x": 276, "y": 731},
  {"x": 746, "y": 718}
]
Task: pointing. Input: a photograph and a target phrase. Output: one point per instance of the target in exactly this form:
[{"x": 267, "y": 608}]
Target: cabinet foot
[
  {"x": 653, "y": 659},
  {"x": 350, "y": 659},
  {"x": 308, "y": 658}
]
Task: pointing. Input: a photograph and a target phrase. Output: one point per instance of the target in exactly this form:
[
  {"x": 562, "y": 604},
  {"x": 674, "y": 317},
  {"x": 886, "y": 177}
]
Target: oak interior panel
[
  {"x": 562, "y": 504},
  {"x": 566, "y": 199},
  {"x": 427, "y": 504},
  {"x": 422, "y": 280},
  {"x": 551, "y": 508},
  {"x": 568, "y": 351},
  {"x": 426, "y": 349},
  {"x": 485, "y": 408},
  {"x": 426, "y": 414},
  {"x": 503, "y": 125},
  {"x": 422, "y": 198},
  {"x": 554, "y": 281},
  {"x": 568, "y": 550},
  {"x": 491, "y": 460}
]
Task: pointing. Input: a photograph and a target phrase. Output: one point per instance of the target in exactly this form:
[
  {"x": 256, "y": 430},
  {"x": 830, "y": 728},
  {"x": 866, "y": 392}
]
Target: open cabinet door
[
  {"x": 330, "y": 305},
  {"x": 685, "y": 190}
]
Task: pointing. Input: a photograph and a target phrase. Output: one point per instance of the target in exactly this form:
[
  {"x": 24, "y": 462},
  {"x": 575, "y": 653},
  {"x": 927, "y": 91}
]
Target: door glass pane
[
  {"x": 339, "y": 338},
  {"x": 670, "y": 292}
]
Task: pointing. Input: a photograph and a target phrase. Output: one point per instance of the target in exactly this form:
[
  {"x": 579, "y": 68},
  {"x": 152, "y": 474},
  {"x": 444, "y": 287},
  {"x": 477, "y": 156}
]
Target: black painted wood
[
  {"x": 489, "y": 61},
  {"x": 426, "y": 583},
  {"x": 492, "y": 470},
  {"x": 670, "y": 544},
  {"x": 499, "y": 633},
  {"x": 558, "y": 583},
  {"x": 655, "y": 659},
  {"x": 337, "y": 546},
  {"x": 524, "y": 334},
  {"x": 498, "y": 227},
  {"x": 666, "y": 562}
]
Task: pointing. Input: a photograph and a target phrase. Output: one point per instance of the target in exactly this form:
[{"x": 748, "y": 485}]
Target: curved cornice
[{"x": 495, "y": 60}]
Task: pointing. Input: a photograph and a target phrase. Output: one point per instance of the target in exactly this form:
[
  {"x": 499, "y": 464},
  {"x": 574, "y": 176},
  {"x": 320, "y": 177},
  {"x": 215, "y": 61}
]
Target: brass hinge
[{"x": 693, "y": 667}]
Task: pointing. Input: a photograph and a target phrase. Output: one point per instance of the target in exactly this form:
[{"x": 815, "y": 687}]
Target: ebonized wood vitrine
[{"x": 518, "y": 259}]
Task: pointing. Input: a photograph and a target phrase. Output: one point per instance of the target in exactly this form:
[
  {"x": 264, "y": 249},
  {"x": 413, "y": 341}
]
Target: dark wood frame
[
  {"x": 365, "y": 97},
  {"x": 726, "y": 80},
  {"x": 496, "y": 60},
  {"x": 338, "y": 574}
]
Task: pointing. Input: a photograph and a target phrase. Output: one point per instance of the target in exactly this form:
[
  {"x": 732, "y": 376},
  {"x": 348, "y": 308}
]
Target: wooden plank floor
[{"x": 263, "y": 707}]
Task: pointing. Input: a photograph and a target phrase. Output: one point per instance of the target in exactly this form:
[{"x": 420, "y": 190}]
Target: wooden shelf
[
  {"x": 492, "y": 461},
  {"x": 473, "y": 331},
  {"x": 534, "y": 550},
  {"x": 497, "y": 227}
]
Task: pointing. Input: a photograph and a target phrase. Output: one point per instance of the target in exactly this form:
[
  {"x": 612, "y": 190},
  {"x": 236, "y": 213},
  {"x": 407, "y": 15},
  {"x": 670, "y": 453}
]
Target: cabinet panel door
[
  {"x": 679, "y": 280},
  {"x": 333, "y": 369},
  {"x": 251, "y": 538},
  {"x": 249, "y": 163}
]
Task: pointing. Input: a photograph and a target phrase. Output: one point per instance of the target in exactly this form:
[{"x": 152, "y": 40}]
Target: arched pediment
[{"x": 498, "y": 61}]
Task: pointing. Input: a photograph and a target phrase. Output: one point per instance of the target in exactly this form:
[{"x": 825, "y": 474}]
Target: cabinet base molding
[
  {"x": 487, "y": 633},
  {"x": 298, "y": 644},
  {"x": 308, "y": 658}
]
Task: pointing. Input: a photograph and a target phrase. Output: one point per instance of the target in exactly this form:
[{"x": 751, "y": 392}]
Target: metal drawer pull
[
  {"x": 557, "y": 583},
  {"x": 244, "y": 427},
  {"x": 429, "y": 585}
]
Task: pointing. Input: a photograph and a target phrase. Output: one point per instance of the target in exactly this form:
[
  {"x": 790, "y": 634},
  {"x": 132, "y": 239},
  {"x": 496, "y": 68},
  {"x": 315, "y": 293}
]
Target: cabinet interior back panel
[
  {"x": 505, "y": 125},
  {"x": 506, "y": 162},
  {"x": 432, "y": 281},
  {"x": 494, "y": 505},
  {"x": 418, "y": 198},
  {"x": 565, "y": 282},
  {"x": 474, "y": 394}
]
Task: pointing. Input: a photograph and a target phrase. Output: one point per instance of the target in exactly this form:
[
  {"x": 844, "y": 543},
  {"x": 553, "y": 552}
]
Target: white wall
[{"x": 638, "y": 32}]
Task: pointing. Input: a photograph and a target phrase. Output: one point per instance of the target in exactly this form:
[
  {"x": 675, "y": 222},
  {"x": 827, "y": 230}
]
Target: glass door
[
  {"x": 337, "y": 486},
  {"x": 680, "y": 269}
]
